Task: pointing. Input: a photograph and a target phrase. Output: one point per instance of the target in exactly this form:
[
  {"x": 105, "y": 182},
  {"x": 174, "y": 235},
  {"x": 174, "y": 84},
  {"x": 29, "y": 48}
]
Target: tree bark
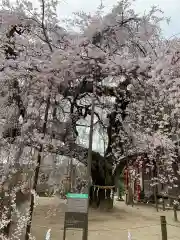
[{"x": 37, "y": 169}]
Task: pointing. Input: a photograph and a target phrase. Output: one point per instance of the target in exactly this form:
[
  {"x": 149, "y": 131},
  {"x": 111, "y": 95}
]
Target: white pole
[
  {"x": 48, "y": 235},
  {"x": 129, "y": 235}
]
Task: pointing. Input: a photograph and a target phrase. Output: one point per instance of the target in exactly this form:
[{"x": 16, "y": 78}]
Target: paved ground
[{"x": 143, "y": 222}]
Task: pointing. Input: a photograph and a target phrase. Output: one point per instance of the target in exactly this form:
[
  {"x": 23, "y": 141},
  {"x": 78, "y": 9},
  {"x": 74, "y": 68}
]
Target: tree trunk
[
  {"x": 99, "y": 195},
  {"x": 22, "y": 205},
  {"x": 5, "y": 209}
]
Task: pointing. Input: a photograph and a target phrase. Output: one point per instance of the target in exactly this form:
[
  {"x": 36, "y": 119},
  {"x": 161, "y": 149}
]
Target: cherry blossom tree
[
  {"x": 157, "y": 118},
  {"x": 29, "y": 87},
  {"x": 142, "y": 69},
  {"x": 49, "y": 75}
]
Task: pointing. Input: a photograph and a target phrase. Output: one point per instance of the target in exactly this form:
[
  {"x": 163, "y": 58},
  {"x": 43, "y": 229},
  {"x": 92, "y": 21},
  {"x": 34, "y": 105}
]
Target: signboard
[
  {"x": 76, "y": 215},
  {"x": 75, "y": 220},
  {"x": 77, "y": 195},
  {"x": 77, "y": 202}
]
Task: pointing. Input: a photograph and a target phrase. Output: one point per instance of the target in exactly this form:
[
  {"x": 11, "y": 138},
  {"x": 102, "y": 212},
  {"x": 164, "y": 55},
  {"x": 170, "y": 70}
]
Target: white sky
[{"x": 171, "y": 9}]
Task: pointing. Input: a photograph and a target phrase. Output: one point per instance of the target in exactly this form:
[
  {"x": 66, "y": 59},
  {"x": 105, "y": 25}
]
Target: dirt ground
[{"x": 142, "y": 222}]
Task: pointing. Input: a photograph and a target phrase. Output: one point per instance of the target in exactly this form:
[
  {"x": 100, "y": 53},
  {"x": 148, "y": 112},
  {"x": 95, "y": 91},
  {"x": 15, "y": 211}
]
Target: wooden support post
[
  {"x": 126, "y": 199},
  {"x": 117, "y": 183},
  {"x": 155, "y": 198},
  {"x": 132, "y": 197},
  {"x": 163, "y": 203},
  {"x": 175, "y": 212},
  {"x": 132, "y": 200},
  {"x": 127, "y": 186},
  {"x": 163, "y": 227}
]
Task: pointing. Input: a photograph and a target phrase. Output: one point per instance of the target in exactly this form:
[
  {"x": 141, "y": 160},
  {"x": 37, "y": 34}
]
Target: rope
[{"x": 104, "y": 187}]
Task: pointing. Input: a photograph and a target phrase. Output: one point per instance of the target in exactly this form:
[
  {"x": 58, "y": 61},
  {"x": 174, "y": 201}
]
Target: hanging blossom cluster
[
  {"x": 29, "y": 82},
  {"x": 154, "y": 111}
]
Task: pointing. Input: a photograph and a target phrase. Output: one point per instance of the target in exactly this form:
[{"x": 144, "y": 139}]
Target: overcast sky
[{"x": 171, "y": 9}]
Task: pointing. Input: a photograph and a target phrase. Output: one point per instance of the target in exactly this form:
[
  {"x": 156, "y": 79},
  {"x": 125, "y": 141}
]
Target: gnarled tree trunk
[{"x": 100, "y": 194}]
